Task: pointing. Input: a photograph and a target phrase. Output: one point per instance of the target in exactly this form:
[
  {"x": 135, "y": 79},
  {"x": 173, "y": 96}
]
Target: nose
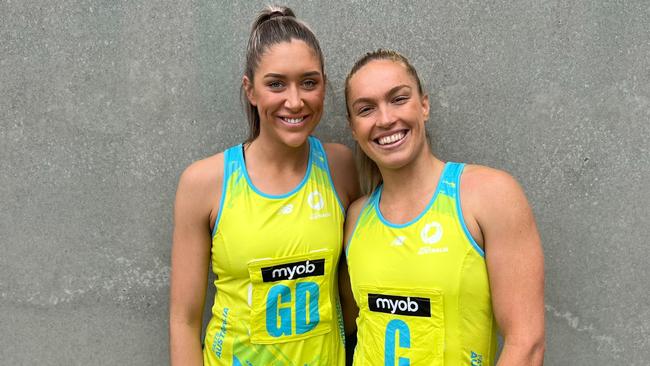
[
  {"x": 385, "y": 118},
  {"x": 294, "y": 100}
]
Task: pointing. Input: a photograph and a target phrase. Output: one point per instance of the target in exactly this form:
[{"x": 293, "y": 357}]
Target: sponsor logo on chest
[
  {"x": 292, "y": 271},
  {"x": 400, "y": 305},
  {"x": 430, "y": 235},
  {"x": 317, "y": 203}
]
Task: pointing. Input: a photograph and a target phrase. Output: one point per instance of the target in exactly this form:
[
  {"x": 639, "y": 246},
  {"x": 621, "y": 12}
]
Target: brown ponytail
[{"x": 275, "y": 24}]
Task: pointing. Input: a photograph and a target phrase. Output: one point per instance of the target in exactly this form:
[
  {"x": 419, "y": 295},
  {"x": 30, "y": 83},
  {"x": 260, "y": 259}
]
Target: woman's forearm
[
  {"x": 185, "y": 344},
  {"x": 529, "y": 353}
]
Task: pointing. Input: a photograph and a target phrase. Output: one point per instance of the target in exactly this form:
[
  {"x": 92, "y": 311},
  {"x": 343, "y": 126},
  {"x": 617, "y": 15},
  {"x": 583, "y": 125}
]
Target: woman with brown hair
[{"x": 268, "y": 214}]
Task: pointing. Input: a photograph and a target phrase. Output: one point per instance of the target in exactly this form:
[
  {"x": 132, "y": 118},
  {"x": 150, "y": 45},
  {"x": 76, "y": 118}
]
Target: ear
[
  {"x": 425, "y": 107},
  {"x": 354, "y": 134},
  {"x": 250, "y": 91}
]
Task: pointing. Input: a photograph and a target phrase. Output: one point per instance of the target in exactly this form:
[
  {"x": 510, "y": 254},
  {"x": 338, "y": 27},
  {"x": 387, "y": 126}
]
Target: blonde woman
[{"x": 440, "y": 254}]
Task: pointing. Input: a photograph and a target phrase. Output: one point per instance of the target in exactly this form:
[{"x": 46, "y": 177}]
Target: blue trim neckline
[
  {"x": 240, "y": 157},
  {"x": 418, "y": 217}
]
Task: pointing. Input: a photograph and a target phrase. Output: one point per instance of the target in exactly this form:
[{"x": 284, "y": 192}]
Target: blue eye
[
  {"x": 364, "y": 111},
  {"x": 309, "y": 84},
  {"x": 275, "y": 84},
  {"x": 400, "y": 99}
]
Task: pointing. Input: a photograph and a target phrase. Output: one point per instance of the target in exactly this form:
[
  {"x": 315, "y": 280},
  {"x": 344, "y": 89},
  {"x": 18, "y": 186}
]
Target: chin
[
  {"x": 390, "y": 160},
  {"x": 295, "y": 139},
  {"x": 392, "y": 165}
]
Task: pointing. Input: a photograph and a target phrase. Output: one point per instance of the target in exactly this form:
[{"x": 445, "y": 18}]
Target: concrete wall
[{"x": 102, "y": 104}]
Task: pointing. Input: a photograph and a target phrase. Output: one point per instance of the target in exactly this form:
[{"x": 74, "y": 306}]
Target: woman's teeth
[
  {"x": 293, "y": 121},
  {"x": 391, "y": 138}
]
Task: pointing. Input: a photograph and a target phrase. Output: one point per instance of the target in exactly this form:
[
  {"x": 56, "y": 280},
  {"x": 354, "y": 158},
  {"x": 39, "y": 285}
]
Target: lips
[
  {"x": 394, "y": 138},
  {"x": 293, "y": 120}
]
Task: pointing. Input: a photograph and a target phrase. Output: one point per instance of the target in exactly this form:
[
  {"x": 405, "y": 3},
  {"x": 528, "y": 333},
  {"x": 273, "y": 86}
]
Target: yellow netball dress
[
  {"x": 422, "y": 287},
  {"x": 275, "y": 259}
]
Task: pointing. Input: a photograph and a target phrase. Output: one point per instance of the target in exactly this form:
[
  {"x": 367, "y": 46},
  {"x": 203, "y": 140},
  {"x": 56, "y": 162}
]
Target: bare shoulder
[
  {"x": 335, "y": 147},
  {"x": 485, "y": 185},
  {"x": 199, "y": 188},
  {"x": 355, "y": 209},
  {"x": 344, "y": 172},
  {"x": 203, "y": 174},
  {"x": 338, "y": 153},
  {"x": 352, "y": 217},
  {"x": 494, "y": 200}
]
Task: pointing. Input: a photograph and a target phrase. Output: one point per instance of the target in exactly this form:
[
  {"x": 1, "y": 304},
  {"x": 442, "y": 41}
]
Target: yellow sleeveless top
[
  {"x": 422, "y": 287},
  {"x": 275, "y": 258}
]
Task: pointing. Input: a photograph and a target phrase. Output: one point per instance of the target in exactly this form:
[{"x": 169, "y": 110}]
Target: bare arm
[
  {"x": 515, "y": 262},
  {"x": 346, "y": 183},
  {"x": 350, "y": 309},
  {"x": 198, "y": 188},
  {"x": 344, "y": 172},
  {"x": 344, "y": 175}
]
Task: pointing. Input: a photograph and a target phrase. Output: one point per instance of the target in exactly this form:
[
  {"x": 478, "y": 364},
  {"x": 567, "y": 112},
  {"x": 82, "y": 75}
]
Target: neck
[
  {"x": 276, "y": 155},
  {"x": 412, "y": 182}
]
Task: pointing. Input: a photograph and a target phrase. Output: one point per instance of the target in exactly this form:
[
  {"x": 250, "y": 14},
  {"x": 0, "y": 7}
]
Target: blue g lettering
[{"x": 278, "y": 294}]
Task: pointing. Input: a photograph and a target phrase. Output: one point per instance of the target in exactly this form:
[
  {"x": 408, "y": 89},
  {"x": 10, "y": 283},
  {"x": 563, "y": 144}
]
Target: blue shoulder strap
[
  {"x": 451, "y": 179},
  {"x": 318, "y": 155},
  {"x": 232, "y": 160},
  {"x": 451, "y": 183},
  {"x": 373, "y": 200},
  {"x": 319, "y": 158}
]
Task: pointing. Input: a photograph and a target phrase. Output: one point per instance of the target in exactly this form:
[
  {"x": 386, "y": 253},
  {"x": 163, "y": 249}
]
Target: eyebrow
[
  {"x": 392, "y": 90},
  {"x": 280, "y": 76}
]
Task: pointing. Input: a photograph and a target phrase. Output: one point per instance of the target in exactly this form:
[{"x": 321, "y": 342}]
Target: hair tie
[{"x": 275, "y": 14}]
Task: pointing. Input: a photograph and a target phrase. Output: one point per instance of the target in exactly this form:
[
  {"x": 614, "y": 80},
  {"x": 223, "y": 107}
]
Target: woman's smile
[{"x": 391, "y": 139}]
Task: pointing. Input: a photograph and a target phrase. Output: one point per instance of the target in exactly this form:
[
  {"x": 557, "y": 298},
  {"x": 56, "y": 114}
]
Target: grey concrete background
[{"x": 102, "y": 104}]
